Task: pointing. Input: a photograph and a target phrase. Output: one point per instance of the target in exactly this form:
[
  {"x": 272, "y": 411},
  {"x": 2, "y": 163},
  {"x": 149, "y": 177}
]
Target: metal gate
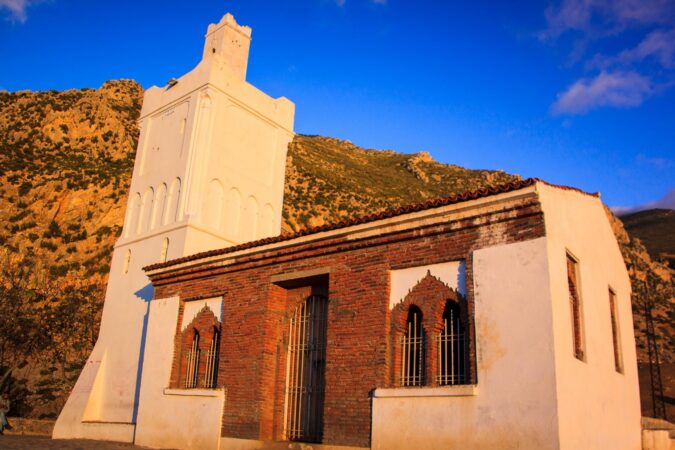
[{"x": 305, "y": 369}]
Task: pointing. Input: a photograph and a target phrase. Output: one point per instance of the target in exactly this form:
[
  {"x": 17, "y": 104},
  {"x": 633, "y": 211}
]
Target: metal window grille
[
  {"x": 211, "y": 373},
  {"x": 452, "y": 366},
  {"x": 192, "y": 363},
  {"x": 412, "y": 351},
  {"x": 573, "y": 287},
  {"x": 305, "y": 370}
]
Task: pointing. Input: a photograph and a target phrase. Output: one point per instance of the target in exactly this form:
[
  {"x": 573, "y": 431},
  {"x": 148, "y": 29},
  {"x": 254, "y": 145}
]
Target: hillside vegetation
[
  {"x": 656, "y": 229},
  {"x": 65, "y": 165}
]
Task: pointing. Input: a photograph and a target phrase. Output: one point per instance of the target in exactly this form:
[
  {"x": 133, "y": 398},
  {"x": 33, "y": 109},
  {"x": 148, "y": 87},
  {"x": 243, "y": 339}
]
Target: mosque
[{"x": 498, "y": 318}]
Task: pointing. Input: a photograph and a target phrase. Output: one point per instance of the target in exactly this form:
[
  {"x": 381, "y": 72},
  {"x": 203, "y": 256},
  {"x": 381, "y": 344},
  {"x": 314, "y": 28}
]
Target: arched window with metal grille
[
  {"x": 412, "y": 350},
  {"x": 192, "y": 368},
  {"x": 452, "y": 361},
  {"x": 211, "y": 373}
]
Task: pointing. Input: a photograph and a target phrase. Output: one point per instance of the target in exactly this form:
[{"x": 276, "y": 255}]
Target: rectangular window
[
  {"x": 616, "y": 336},
  {"x": 575, "y": 306}
]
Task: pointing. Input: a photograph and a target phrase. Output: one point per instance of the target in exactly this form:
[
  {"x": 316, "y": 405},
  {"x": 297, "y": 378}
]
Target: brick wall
[{"x": 361, "y": 350}]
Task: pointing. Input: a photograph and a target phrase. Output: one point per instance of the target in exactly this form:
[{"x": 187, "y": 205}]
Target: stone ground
[{"x": 8, "y": 442}]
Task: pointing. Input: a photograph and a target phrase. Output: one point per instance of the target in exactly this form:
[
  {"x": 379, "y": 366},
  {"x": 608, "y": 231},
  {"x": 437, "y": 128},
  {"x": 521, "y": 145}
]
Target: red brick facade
[{"x": 354, "y": 273}]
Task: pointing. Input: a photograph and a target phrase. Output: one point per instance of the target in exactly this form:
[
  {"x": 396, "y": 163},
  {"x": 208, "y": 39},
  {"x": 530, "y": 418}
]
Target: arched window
[
  {"x": 160, "y": 206},
  {"x": 232, "y": 213},
  {"x": 213, "y": 205},
  {"x": 412, "y": 350},
  {"x": 146, "y": 211},
  {"x": 172, "y": 212},
  {"x": 452, "y": 365},
  {"x": 192, "y": 363},
  {"x": 133, "y": 214},
  {"x": 127, "y": 261},
  {"x": 165, "y": 250},
  {"x": 211, "y": 375}
]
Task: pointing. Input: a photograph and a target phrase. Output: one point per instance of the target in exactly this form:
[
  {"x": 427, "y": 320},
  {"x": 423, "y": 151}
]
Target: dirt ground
[{"x": 9, "y": 442}]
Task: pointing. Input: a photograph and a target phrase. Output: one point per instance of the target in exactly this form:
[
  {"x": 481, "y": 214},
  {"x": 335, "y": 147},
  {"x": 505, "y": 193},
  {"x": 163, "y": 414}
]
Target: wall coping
[
  {"x": 195, "y": 392},
  {"x": 460, "y": 390}
]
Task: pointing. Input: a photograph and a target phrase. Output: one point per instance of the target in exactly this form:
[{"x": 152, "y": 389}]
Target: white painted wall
[
  {"x": 210, "y": 126},
  {"x": 401, "y": 282},
  {"x": 598, "y": 407},
  {"x": 185, "y": 419},
  {"x": 514, "y": 403}
]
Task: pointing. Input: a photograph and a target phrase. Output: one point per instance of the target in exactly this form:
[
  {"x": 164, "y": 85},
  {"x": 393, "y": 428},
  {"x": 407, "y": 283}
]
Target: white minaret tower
[{"x": 209, "y": 173}]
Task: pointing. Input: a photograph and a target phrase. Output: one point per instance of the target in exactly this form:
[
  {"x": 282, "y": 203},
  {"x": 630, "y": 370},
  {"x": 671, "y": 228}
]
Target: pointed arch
[
  {"x": 268, "y": 222},
  {"x": 192, "y": 361},
  {"x": 232, "y": 213},
  {"x": 412, "y": 350},
  {"x": 127, "y": 261},
  {"x": 452, "y": 354},
  {"x": 250, "y": 219},
  {"x": 146, "y": 210},
  {"x": 133, "y": 212},
  {"x": 173, "y": 202},
  {"x": 212, "y": 208},
  {"x": 165, "y": 250},
  {"x": 160, "y": 205}
]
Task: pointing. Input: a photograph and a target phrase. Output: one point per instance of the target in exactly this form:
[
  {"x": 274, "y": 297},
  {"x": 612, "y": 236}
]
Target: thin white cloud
[
  {"x": 379, "y": 2},
  {"x": 666, "y": 202},
  {"x": 340, "y": 3},
  {"x": 17, "y": 9},
  {"x": 617, "y": 89},
  {"x": 653, "y": 162},
  {"x": 604, "y": 17},
  {"x": 659, "y": 44}
]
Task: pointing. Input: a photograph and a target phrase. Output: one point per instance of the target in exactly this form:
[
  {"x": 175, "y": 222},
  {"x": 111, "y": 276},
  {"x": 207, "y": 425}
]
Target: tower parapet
[{"x": 229, "y": 41}]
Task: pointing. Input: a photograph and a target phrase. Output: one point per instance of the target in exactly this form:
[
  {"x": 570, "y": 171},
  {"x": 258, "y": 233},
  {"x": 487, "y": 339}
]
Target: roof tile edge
[{"x": 386, "y": 214}]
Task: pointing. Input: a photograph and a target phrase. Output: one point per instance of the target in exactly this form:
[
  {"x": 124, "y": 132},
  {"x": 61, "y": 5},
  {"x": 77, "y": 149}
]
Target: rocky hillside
[
  {"x": 328, "y": 180},
  {"x": 65, "y": 164},
  {"x": 655, "y": 228}
]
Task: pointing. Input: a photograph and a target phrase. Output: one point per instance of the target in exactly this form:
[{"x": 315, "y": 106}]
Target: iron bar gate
[{"x": 305, "y": 369}]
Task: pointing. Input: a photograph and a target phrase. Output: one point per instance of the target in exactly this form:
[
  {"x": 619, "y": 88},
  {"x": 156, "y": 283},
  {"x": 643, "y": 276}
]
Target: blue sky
[{"x": 577, "y": 92}]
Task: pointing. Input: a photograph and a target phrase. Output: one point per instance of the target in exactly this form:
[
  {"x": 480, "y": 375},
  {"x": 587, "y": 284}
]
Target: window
[
  {"x": 412, "y": 348},
  {"x": 211, "y": 375},
  {"x": 616, "y": 336},
  {"x": 197, "y": 345},
  {"x": 127, "y": 261},
  {"x": 452, "y": 366},
  {"x": 165, "y": 250},
  {"x": 192, "y": 373},
  {"x": 575, "y": 306}
]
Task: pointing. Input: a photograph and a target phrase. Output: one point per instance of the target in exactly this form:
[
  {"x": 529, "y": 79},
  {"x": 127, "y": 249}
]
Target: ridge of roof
[{"x": 386, "y": 214}]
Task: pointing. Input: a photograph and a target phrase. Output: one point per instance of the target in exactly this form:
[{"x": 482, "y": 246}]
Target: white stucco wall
[
  {"x": 598, "y": 407},
  {"x": 173, "y": 418},
  {"x": 514, "y": 402}
]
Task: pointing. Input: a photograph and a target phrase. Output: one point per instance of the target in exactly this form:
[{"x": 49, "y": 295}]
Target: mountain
[
  {"x": 66, "y": 160},
  {"x": 656, "y": 229}
]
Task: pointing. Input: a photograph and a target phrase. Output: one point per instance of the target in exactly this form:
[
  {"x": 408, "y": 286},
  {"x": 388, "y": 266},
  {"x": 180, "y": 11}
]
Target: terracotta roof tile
[{"x": 393, "y": 212}]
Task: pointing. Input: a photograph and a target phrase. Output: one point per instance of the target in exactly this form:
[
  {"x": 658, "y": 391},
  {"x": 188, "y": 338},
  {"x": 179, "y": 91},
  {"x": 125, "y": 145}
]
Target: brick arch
[
  {"x": 206, "y": 324},
  {"x": 430, "y": 295}
]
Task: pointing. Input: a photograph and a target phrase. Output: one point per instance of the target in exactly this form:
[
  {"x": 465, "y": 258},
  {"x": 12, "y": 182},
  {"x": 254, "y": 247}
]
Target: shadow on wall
[{"x": 145, "y": 294}]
